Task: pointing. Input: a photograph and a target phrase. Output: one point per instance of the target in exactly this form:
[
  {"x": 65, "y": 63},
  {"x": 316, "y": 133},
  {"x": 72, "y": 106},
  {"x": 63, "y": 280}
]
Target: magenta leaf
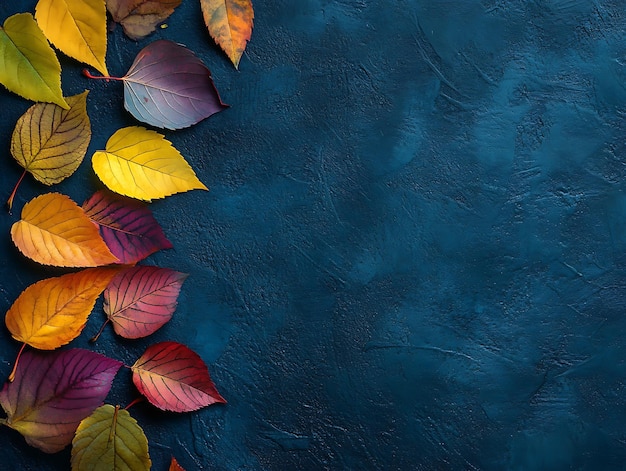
[
  {"x": 169, "y": 87},
  {"x": 138, "y": 301},
  {"x": 126, "y": 225},
  {"x": 53, "y": 392}
]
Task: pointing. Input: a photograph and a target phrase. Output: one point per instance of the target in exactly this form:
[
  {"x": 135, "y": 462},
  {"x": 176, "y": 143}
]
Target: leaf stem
[
  {"x": 88, "y": 74},
  {"x": 136, "y": 401},
  {"x": 10, "y": 200},
  {"x": 12, "y": 375},
  {"x": 97, "y": 336}
]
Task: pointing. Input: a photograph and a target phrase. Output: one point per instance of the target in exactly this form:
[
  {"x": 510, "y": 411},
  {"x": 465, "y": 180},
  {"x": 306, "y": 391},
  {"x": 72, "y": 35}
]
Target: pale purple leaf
[{"x": 169, "y": 87}]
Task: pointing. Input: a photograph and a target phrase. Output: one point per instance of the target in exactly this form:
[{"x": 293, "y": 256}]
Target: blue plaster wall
[{"x": 413, "y": 252}]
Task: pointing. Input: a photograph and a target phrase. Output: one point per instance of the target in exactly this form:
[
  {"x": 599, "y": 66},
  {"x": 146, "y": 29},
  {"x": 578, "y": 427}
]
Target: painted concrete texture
[{"x": 412, "y": 252}]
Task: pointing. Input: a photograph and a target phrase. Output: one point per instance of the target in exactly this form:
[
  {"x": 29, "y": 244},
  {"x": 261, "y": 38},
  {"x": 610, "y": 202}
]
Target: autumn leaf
[
  {"x": 53, "y": 312},
  {"x": 55, "y": 231},
  {"x": 168, "y": 87},
  {"x": 142, "y": 164},
  {"x": 110, "y": 439},
  {"x": 139, "y": 18},
  {"x": 50, "y": 142},
  {"x": 230, "y": 24},
  {"x": 28, "y": 65},
  {"x": 174, "y": 378},
  {"x": 140, "y": 300},
  {"x": 77, "y": 28},
  {"x": 174, "y": 466},
  {"x": 53, "y": 392},
  {"x": 126, "y": 225}
]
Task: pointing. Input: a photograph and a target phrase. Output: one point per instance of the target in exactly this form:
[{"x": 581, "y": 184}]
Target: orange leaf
[
  {"x": 230, "y": 24},
  {"x": 55, "y": 231},
  {"x": 53, "y": 312}
]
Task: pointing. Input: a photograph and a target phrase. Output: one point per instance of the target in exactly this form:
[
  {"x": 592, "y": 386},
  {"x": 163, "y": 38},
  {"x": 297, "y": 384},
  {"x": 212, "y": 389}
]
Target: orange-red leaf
[
  {"x": 139, "y": 18},
  {"x": 174, "y": 466},
  {"x": 230, "y": 24},
  {"x": 54, "y": 311},
  {"x": 55, "y": 231},
  {"x": 173, "y": 377}
]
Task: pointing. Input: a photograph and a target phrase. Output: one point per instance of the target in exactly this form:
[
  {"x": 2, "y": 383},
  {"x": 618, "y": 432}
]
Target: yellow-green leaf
[
  {"x": 56, "y": 231},
  {"x": 50, "y": 142},
  {"x": 53, "y": 312},
  {"x": 142, "y": 164},
  {"x": 110, "y": 440},
  {"x": 28, "y": 65},
  {"x": 230, "y": 24},
  {"x": 76, "y": 27}
]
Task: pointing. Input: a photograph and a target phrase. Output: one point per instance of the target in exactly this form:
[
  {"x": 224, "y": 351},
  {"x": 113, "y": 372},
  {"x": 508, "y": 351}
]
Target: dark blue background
[{"x": 412, "y": 253}]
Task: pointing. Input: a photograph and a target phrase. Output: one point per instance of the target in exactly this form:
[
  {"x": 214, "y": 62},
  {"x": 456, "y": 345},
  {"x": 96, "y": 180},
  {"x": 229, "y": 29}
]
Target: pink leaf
[
  {"x": 53, "y": 392},
  {"x": 126, "y": 225},
  {"x": 138, "y": 301},
  {"x": 173, "y": 377}
]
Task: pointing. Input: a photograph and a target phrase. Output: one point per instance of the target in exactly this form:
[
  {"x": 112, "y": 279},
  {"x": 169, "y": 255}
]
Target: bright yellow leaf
[
  {"x": 142, "y": 164},
  {"x": 230, "y": 24},
  {"x": 110, "y": 440},
  {"x": 50, "y": 142},
  {"x": 53, "y": 312},
  {"x": 76, "y": 27},
  {"x": 55, "y": 231},
  {"x": 28, "y": 65}
]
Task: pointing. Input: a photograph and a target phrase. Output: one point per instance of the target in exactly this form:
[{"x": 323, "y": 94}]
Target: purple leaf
[
  {"x": 140, "y": 300},
  {"x": 169, "y": 87},
  {"x": 126, "y": 225},
  {"x": 53, "y": 392}
]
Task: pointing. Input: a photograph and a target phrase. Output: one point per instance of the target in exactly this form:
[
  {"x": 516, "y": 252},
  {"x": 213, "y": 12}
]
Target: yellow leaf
[
  {"x": 53, "y": 312},
  {"x": 76, "y": 27},
  {"x": 50, "y": 142},
  {"x": 55, "y": 231},
  {"x": 142, "y": 164},
  {"x": 230, "y": 24},
  {"x": 28, "y": 65},
  {"x": 110, "y": 440}
]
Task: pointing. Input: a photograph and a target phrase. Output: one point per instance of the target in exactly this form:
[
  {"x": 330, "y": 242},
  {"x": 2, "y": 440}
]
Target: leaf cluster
[{"x": 54, "y": 396}]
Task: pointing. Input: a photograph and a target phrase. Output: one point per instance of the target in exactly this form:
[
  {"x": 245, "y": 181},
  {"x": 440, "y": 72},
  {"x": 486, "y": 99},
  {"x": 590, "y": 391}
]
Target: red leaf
[
  {"x": 138, "y": 301},
  {"x": 174, "y": 378},
  {"x": 53, "y": 392},
  {"x": 126, "y": 225}
]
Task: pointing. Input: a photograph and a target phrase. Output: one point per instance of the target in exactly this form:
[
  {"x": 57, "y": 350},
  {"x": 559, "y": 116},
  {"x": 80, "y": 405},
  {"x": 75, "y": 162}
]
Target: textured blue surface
[{"x": 412, "y": 253}]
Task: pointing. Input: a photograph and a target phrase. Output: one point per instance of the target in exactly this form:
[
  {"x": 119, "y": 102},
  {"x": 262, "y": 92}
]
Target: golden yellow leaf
[
  {"x": 53, "y": 312},
  {"x": 76, "y": 27},
  {"x": 50, "y": 142},
  {"x": 28, "y": 65},
  {"x": 142, "y": 164},
  {"x": 55, "y": 231},
  {"x": 230, "y": 24}
]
